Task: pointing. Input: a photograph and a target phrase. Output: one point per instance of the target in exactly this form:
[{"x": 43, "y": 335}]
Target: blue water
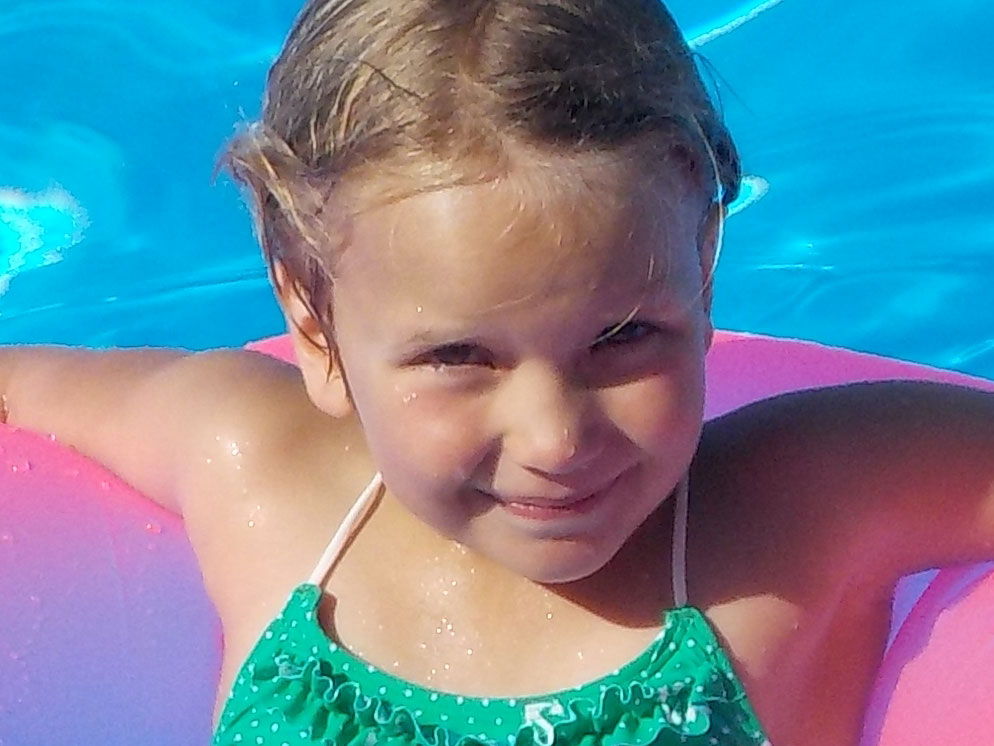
[{"x": 867, "y": 132}]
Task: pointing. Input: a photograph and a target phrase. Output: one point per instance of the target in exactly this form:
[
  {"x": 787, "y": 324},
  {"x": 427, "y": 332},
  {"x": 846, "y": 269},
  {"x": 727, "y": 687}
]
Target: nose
[{"x": 547, "y": 422}]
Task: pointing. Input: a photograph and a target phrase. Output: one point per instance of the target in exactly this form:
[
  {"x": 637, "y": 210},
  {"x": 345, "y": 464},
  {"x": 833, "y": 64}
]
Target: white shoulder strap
[
  {"x": 680, "y": 513},
  {"x": 347, "y": 530}
]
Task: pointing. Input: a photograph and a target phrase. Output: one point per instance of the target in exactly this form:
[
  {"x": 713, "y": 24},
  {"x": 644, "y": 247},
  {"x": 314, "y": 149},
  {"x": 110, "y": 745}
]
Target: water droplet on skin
[
  {"x": 420, "y": 309},
  {"x": 51, "y": 437},
  {"x": 408, "y": 398},
  {"x": 35, "y": 600},
  {"x": 209, "y": 460},
  {"x": 153, "y": 528},
  {"x": 469, "y": 651},
  {"x": 253, "y": 515},
  {"x": 105, "y": 486},
  {"x": 423, "y": 645},
  {"x": 548, "y": 615},
  {"x": 348, "y": 448},
  {"x": 7, "y": 539}
]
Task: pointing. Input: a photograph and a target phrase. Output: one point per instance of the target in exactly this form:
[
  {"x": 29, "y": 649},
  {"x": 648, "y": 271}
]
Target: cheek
[
  {"x": 661, "y": 414},
  {"x": 423, "y": 435}
]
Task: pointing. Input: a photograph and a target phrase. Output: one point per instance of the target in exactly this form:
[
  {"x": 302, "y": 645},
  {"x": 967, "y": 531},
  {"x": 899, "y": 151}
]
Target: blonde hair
[{"x": 403, "y": 97}]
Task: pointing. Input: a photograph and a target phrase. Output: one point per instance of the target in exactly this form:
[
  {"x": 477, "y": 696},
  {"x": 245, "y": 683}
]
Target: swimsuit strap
[
  {"x": 680, "y": 542},
  {"x": 347, "y": 530}
]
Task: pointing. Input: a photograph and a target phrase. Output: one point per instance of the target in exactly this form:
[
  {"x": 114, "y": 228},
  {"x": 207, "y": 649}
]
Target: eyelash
[
  {"x": 612, "y": 337},
  {"x": 609, "y": 338},
  {"x": 434, "y": 358}
]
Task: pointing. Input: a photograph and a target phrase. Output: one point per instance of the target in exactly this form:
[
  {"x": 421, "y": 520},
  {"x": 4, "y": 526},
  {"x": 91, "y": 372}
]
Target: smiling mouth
[
  {"x": 553, "y": 504},
  {"x": 541, "y": 508}
]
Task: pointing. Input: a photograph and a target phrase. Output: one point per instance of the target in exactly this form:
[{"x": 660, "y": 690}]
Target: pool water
[{"x": 866, "y": 129}]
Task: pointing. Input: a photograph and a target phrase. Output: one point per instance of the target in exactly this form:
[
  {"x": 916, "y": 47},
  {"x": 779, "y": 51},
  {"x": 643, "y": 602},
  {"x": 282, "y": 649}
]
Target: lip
[{"x": 544, "y": 509}]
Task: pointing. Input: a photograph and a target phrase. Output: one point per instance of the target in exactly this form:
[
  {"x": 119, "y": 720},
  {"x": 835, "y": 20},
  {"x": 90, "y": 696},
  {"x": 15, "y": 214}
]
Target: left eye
[{"x": 633, "y": 331}]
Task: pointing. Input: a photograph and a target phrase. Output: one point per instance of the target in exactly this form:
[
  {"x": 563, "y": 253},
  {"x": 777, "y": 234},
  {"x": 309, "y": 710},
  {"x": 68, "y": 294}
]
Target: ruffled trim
[{"x": 337, "y": 713}]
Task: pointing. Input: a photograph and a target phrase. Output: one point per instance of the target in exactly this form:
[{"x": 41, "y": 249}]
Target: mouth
[{"x": 544, "y": 509}]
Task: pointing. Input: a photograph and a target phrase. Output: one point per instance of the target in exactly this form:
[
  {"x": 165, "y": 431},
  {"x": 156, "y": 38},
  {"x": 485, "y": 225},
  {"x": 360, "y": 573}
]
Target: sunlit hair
[{"x": 390, "y": 99}]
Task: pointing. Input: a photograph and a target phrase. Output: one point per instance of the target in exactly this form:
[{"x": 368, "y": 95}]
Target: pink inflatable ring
[{"x": 107, "y": 636}]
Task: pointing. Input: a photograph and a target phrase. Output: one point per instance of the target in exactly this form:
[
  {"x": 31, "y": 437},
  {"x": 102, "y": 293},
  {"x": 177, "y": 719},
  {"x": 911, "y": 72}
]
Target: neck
[
  {"x": 632, "y": 589},
  {"x": 635, "y": 586}
]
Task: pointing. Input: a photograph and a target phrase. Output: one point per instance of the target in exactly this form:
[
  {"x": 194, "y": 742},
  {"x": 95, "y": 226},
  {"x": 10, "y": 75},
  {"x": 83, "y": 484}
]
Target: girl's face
[{"x": 527, "y": 362}]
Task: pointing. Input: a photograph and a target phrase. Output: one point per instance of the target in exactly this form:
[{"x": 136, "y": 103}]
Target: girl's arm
[
  {"x": 149, "y": 415},
  {"x": 904, "y": 470}
]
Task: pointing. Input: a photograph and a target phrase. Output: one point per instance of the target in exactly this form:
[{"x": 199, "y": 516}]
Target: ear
[
  {"x": 709, "y": 238},
  {"x": 317, "y": 356}
]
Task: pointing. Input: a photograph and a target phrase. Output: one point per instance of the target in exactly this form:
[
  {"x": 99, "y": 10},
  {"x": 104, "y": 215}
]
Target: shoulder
[
  {"x": 266, "y": 475},
  {"x": 233, "y": 411},
  {"x": 238, "y": 398},
  {"x": 225, "y": 374},
  {"x": 874, "y": 479},
  {"x": 777, "y": 479}
]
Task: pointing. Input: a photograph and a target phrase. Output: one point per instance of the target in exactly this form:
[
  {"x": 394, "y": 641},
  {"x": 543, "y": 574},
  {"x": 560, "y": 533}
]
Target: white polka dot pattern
[{"x": 298, "y": 687}]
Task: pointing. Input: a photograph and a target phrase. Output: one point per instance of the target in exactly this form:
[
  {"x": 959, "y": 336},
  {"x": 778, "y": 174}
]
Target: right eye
[{"x": 456, "y": 356}]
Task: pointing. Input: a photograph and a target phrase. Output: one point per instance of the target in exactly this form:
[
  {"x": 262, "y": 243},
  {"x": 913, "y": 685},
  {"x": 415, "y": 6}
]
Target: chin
[{"x": 560, "y": 565}]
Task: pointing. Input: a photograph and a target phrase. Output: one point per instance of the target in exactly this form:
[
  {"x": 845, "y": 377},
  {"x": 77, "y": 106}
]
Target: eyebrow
[{"x": 438, "y": 336}]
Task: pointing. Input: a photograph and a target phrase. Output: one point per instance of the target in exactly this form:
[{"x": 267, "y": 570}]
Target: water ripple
[
  {"x": 35, "y": 229},
  {"x": 738, "y": 19},
  {"x": 183, "y": 41}
]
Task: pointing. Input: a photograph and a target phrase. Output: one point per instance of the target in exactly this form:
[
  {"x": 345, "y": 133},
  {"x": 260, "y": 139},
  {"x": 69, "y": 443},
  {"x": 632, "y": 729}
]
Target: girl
[{"x": 491, "y": 226}]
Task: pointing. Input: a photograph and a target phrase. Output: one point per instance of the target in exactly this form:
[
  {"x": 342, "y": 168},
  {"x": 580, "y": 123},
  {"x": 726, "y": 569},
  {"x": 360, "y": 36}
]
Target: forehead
[{"x": 528, "y": 238}]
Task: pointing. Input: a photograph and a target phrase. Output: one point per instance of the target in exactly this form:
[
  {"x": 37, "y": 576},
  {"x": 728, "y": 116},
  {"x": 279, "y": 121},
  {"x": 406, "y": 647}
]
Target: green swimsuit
[{"x": 299, "y": 687}]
